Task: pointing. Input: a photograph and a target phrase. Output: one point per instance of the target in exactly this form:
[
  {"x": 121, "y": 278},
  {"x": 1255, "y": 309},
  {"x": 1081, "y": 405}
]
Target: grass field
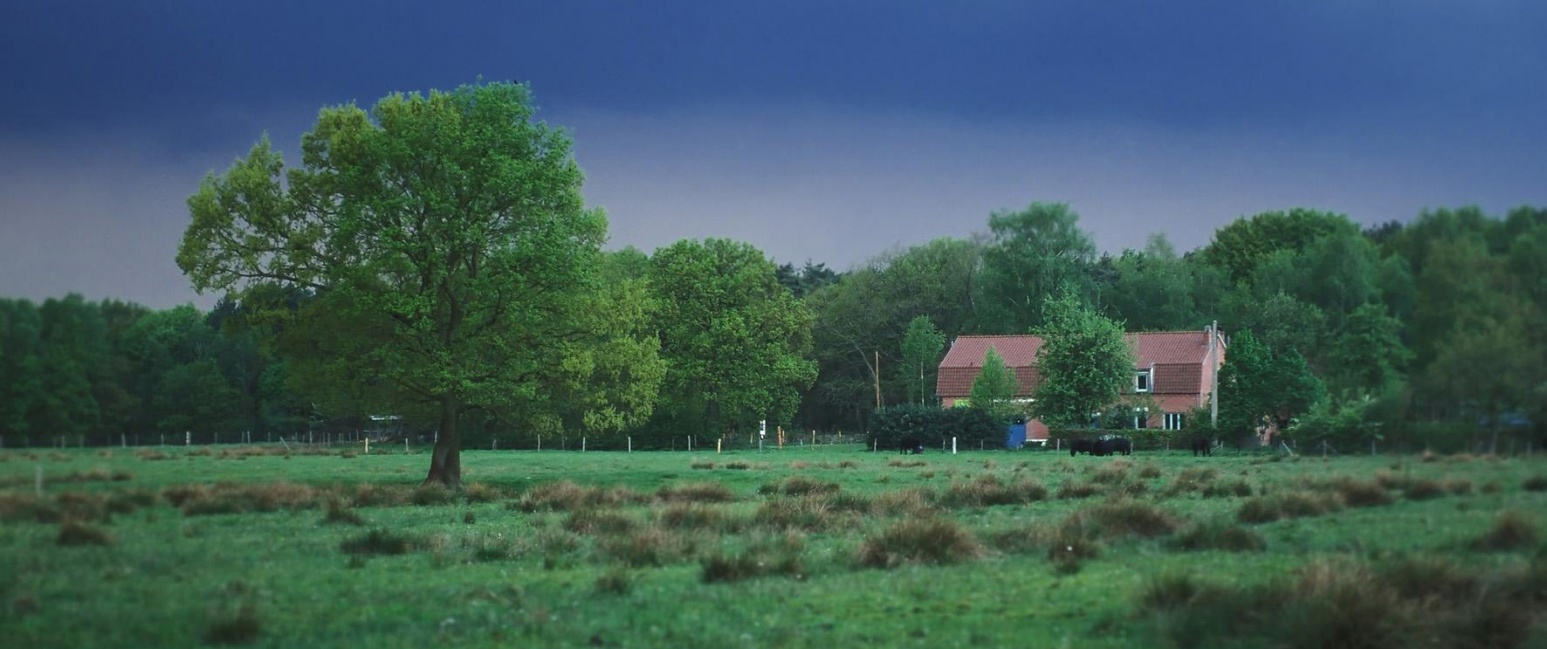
[{"x": 826, "y": 547}]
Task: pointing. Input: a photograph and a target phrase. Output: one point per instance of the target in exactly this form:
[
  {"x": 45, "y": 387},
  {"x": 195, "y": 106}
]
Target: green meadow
[{"x": 811, "y": 547}]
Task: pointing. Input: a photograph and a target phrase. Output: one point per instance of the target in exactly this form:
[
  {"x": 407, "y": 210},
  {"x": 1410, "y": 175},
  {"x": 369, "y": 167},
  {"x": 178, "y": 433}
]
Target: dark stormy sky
[{"x": 829, "y": 131}]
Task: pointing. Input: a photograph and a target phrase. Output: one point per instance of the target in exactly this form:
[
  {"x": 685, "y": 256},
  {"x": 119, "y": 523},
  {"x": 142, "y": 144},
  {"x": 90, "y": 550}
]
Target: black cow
[
  {"x": 1101, "y": 448},
  {"x": 912, "y": 447},
  {"x": 1077, "y": 446},
  {"x": 1202, "y": 446},
  {"x": 1121, "y": 445}
]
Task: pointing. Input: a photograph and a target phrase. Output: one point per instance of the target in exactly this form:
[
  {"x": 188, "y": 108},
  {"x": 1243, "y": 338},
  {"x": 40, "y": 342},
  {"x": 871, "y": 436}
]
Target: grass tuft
[
  {"x": 381, "y": 541},
  {"x": 1535, "y": 483},
  {"x": 696, "y": 492},
  {"x": 1071, "y": 490},
  {"x": 242, "y": 628},
  {"x": 926, "y": 541},
  {"x": 1512, "y": 530},
  {"x": 1219, "y": 535},
  {"x": 76, "y": 534}
]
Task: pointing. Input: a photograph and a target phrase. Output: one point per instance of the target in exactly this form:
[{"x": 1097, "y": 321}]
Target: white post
[
  {"x": 953, "y": 446},
  {"x": 37, "y": 471},
  {"x": 582, "y": 445},
  {"x": 631, "y": 444},
  {"x": 187, "y": 438},
  {"x": 123, "y": 440},
  {"x": 367, "y": 446},
  {"x": 405, "y": 444}
]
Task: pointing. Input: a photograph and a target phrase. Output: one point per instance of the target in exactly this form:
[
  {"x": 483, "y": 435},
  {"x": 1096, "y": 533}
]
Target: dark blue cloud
[{"x": 1278, "y": 64}]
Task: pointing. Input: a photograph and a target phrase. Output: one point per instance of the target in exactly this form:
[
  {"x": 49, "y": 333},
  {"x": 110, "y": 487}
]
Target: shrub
[
  {"x": 74, "y": 534},
  {"x": 933, "y": 427},
  {"x": 927, "y": 541}
]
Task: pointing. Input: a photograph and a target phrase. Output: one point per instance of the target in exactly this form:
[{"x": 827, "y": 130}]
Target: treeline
[
  {"x": 1410, "y": 331},
  {"x": 110, "y": 371},
  {"x": 1433, "y": 327}
]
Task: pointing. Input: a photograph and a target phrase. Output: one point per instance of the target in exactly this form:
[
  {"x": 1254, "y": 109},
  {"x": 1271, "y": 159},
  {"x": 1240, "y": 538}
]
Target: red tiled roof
[{"x": 965, "y": 359}]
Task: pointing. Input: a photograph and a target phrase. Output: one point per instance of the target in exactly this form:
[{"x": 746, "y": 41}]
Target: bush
[{"x": 934, "y": 427}]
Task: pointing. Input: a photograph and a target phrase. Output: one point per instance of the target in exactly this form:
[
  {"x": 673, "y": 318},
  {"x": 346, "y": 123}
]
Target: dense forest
[{"x": 1413, "y": 331}]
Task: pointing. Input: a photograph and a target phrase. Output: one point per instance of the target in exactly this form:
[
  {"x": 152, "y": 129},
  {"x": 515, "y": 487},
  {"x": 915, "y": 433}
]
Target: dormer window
[{"x": 1141, "y": 381}]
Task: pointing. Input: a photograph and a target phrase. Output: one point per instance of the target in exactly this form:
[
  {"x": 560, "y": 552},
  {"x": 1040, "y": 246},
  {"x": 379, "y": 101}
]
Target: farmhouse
[{"x": 1175, "y": 373}]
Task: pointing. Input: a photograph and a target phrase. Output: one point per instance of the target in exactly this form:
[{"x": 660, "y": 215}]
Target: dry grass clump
[
  {"x": 774, "y": 555},
  {"x": 696, "y": 492},
  {"x": 1193, "y": 479},
  {"x": 1392, "y": 480},
  {"x": 339, "y": 513},
  {"x": 615, "y": 581},
  {"x": 431, "y": 494},
  {"x": 1114, "y": 472},
  {"x": 703, "y": 465},
  {"x": 1123, "y": 517},
  {"x": 695, "y": 516},
  {"x": 1340, "y": 603},
  {"x": 1149, "y": 471},
  {"x": 1071, "y": 490},
  {"x": 738, "y": 465},
  {"x": 19, "y": 507},
  {"x": 912, "y": 502},
  {"x": 1293, "y": 504},
  {"x": 75, "y": 534},
  {"x": 848, "y": 464},
  {"x": 988, "y": 490},
  {"x": 931, "y": 541},
  {"x": 1512, "y": 530},
  {"x": 565, "y": 495},
  {"x": 811, "y": 514},
  {"x": 82, "y": 506},
  {"x": 598, "y": 521},
  {"x": 1219, "y": 535},
  {"x": 798, "y": 486},
  {"x": 646, "y": 546},
  {"x": 381, "y": 541},
  {"x": 1424, "y": 489},
  {"x": 478, "y": 492},
  {"x": 1428, "y": 457},
  {"x": 152, "y": 456},
  {"x": 1535, "y": 483},
  {"x": 799, "y": 465},
  {"x": 374, "y": 495},
  {"x": 1356, "y": 493},
  {"x": 242, "y": 628},
  {"x": 1457, "y": 486},
  {"x": 130, "y": 500},
  {"x": 1227, "y": 489},
  {"x": 227, "y": 498},
  {"x": 906, "y": 464}
]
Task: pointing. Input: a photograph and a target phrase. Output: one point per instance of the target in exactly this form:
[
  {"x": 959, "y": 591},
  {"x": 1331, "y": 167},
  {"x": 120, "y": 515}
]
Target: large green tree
[
  {"x": 921, "y": 347},
  {"x": 993, "y": 391},
  {"x": 1259, "y": 384},
  {"x": 1033, "y": 254},
  {"x": 445, "y": 238},
  {"x": 735, "y": 341},
  {"x": 1083, "y": 365}
]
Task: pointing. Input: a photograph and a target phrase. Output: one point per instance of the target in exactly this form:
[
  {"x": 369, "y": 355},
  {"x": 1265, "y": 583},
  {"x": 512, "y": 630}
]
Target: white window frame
[
  {"x": 1173, "y": 421},
  {"x": 1149, "y": 381}
]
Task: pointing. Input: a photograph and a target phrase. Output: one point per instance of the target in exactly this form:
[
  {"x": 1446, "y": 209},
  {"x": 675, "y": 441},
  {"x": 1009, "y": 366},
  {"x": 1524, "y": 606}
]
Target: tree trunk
[{"x": 446, "y": 460}]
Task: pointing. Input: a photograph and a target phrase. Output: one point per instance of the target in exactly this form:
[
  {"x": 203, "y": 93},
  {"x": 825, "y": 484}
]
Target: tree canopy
[
  {"x": 444, "y": 236},
  {"x": 1084, "y": 363}
]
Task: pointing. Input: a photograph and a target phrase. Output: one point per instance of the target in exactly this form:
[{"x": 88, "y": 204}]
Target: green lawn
[{"x": 810, "y": 547}]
